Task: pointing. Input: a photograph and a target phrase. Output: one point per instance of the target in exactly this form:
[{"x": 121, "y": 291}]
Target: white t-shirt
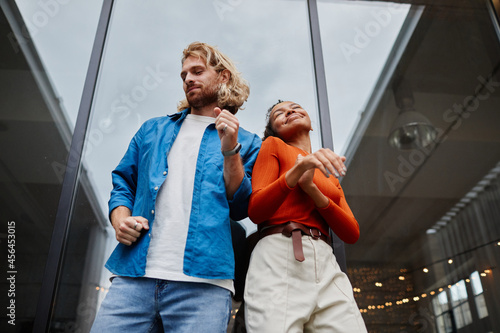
[{"x": 165, "y": 257}]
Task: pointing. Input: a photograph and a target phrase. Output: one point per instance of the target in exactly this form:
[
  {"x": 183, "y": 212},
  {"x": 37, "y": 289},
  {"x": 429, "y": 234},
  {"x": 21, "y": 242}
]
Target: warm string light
[
  {"x": 416, "y": 298},
  {"x": 234, "y": 312},
  {"x": 101, "y": 289},
  {"x": 426, "y": 268}
]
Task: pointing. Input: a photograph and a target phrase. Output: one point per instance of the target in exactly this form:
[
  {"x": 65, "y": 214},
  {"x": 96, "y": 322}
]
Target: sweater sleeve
[
  {"x": 269, "y": 188},
  {"x": 341, "y": 219}
]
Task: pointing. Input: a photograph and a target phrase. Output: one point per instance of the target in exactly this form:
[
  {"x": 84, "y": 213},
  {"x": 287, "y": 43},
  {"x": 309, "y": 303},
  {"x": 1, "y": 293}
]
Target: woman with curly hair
[{"x": 294, "y": 283}]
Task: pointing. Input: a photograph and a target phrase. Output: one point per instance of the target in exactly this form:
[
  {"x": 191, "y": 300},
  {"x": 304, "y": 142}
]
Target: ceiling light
[{"x": 411, "y": 129}]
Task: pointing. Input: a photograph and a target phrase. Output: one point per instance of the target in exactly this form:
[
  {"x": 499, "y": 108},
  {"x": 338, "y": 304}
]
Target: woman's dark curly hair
[{"x": 269, "y": 131}]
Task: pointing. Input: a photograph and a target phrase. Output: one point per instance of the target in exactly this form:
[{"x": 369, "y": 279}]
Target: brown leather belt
[{"x": 294, "y": 230}]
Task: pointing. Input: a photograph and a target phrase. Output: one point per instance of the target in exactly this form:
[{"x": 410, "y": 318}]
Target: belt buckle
[{"x": 313, "y": 235}]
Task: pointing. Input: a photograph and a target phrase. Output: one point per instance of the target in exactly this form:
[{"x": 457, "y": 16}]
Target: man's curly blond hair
[{"x": 231, "y": 95}]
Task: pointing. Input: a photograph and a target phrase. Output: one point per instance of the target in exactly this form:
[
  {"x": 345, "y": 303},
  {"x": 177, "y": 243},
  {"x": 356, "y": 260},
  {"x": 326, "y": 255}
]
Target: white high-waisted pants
[{"x": 284, "y": 295}]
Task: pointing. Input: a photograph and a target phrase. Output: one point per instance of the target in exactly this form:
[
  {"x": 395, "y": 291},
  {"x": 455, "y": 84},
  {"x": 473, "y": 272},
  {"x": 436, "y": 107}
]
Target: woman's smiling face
[{"x": 289, "y": 118}]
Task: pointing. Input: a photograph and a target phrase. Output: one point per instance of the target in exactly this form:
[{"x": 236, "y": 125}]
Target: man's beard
[{"x": 207, "y": 96}]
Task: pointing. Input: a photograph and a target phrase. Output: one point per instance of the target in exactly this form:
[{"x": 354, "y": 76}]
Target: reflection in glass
[
  {"x": 458, "y": 293},
  {"x": 477, "y": 289},
  {"x": 357, "y": 39},
  {"x": 35, "y": 133},
  {"x": 442, "y": 302},
  {"x": 411, "y": 129},
  {"x": 140, "y": 72},
  {"x": 459, "y": 303},
  {"x": 63, "y": 34},
  {"x": 140, "y": 79},
  {"x": 482, "y": 309},
  {"x": 449, "y": 56}
]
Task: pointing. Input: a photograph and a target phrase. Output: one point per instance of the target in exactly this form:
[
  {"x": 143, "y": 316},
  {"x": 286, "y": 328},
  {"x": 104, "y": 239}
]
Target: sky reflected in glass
[
  {"x": 356, "y": 37},
  {"x": 268, "y": 40}
]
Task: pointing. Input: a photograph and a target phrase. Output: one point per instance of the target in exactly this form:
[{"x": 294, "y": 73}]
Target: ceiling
[{"x": 397, "y": 195}]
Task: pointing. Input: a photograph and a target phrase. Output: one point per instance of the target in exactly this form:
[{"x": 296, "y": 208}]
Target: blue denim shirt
[{"x": 142, "y": 171}]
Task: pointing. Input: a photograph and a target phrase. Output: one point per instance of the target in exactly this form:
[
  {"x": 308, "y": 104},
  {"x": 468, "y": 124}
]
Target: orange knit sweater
[{"x": 272, "y": 200}]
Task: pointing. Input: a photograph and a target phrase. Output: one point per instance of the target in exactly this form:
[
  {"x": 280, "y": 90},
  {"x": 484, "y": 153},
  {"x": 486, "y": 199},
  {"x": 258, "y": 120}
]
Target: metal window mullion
[
  {"x": 324, "y": 109},
  {"x": 50, "y": 281}
]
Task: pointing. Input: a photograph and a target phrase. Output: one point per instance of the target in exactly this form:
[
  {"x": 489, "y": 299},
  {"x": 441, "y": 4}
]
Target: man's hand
[
  {"x": 227, "y": 126},
  {"x": 127, "y": 228}
]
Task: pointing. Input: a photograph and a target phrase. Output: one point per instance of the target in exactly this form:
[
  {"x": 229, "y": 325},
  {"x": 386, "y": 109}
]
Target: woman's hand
[
  {"x": 325, "y": 160},
  {"x": 302, "y": 172},
  {"x": 306, "y": 180}
]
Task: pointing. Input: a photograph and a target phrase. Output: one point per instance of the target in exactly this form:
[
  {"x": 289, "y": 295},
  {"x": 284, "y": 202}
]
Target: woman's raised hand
[
  {"x": 306, "y": 180},
  {"x": 325, "y": 160},
  {"x": 328, "y": 162}
]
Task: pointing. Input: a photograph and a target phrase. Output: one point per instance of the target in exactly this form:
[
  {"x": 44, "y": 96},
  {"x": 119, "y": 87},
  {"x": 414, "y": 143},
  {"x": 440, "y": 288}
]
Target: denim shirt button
[
  {"x": 156, "y": 188},
  {"x": 164, "y": 173},
  {"x": 152, "y": 211}
]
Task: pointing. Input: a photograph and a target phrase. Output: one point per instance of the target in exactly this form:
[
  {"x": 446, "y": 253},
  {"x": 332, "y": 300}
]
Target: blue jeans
[{"x": 152, "y": 305}]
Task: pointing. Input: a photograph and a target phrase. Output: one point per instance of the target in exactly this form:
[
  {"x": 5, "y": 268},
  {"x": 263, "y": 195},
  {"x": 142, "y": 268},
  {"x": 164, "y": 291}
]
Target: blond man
[{"x": 181, "y": 180}]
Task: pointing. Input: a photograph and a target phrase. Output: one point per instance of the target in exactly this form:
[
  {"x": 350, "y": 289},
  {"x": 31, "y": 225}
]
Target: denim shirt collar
[{"x": 180, "y": 115}]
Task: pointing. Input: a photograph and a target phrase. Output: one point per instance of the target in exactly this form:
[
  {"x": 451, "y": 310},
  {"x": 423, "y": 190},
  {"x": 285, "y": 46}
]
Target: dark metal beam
[{"x": 324, "y": 109}]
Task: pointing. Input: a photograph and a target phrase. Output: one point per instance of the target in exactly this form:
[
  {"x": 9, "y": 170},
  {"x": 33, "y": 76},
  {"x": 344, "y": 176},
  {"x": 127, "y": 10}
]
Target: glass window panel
[
  {"x": 440, "y": 324},
  {"x": 458, "y": 292},
  {"x": 41, "y": 77},
  {"x": 481, "y": 307},
  {"x": 140, "y": 79},
  {"x": 458, "y": 317},
  {"x": 454, "y": 295},
  {"x": 466, "y": 313},
  {"x": 443, "y": 301},
  {"x": 448, "y": 322},
  {"x": 357, "y": 39},
  {"x": 477, "y": 287},
  {"x": 436, "y": 306},
  {"x": 63, "y": 32},
  {"x": 123, "y": 102},
  {"x": 420, "y": 206}
]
